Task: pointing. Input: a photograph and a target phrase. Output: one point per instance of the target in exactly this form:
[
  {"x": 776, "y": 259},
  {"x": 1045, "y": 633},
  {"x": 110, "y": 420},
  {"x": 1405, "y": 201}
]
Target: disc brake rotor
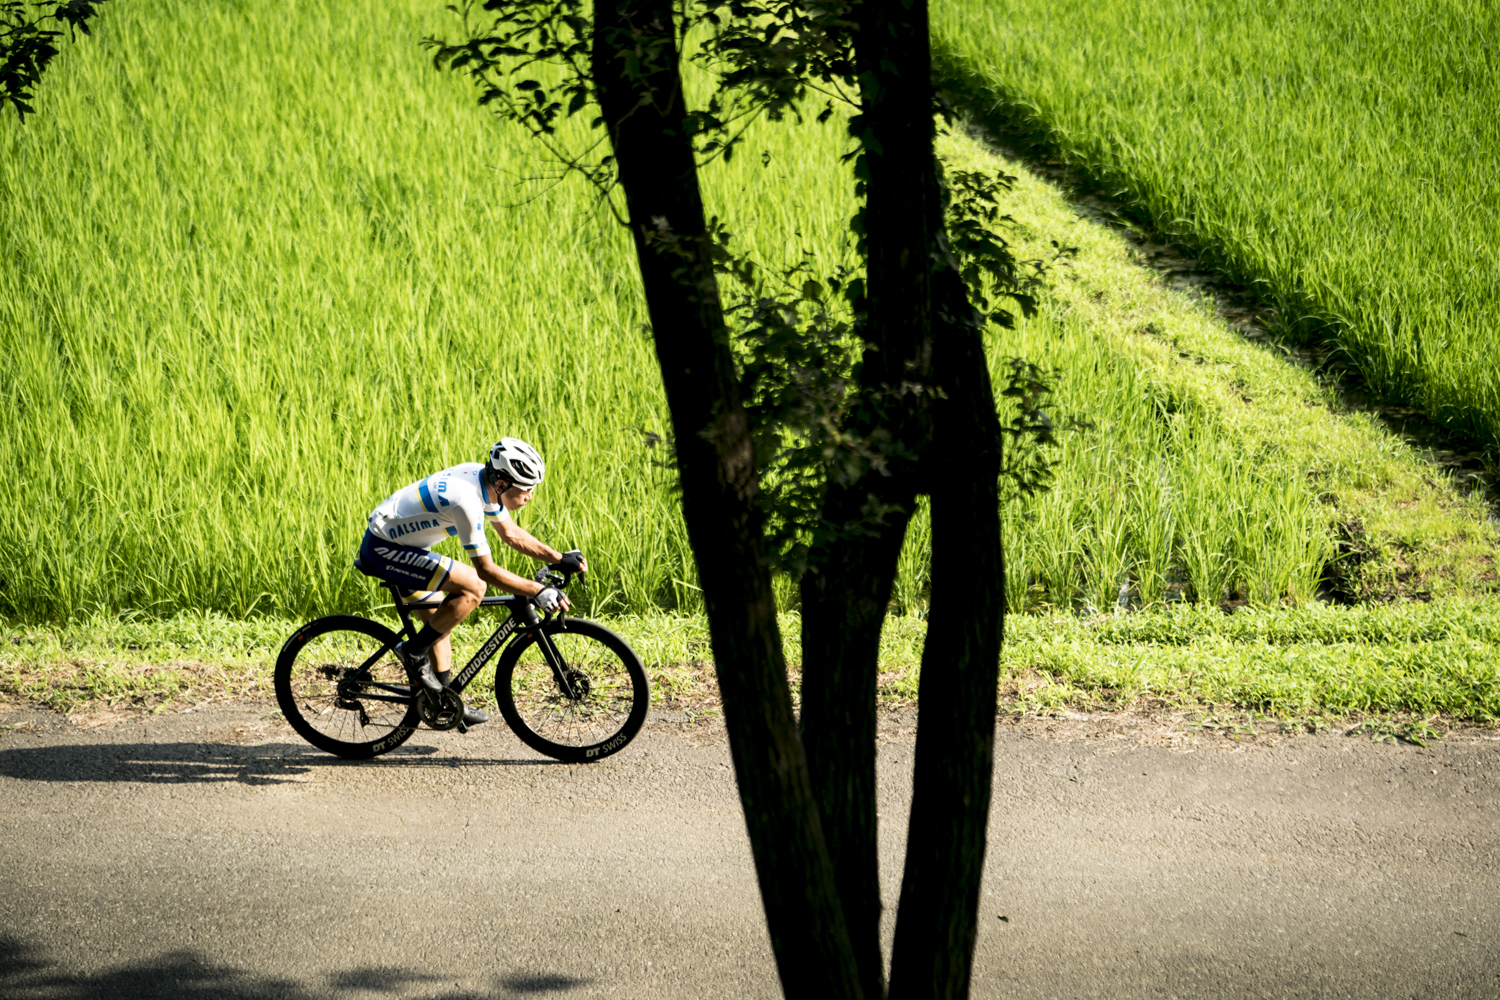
[{"x": 580, "y": 682}]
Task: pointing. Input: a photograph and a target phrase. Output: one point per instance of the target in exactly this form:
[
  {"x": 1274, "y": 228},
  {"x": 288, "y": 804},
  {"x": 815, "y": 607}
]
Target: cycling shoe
[
  {"x": 473, "y": 716},
  {"x": 420, "y": 665}
]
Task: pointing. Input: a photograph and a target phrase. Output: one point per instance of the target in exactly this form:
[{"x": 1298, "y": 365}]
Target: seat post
[{"x": 400, "y": 605}]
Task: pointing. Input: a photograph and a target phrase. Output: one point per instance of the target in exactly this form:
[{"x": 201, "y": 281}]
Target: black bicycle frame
[{"x": 522, "y": 616}]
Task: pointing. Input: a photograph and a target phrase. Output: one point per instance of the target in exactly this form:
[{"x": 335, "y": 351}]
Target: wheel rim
[
  {"x": 333, "y": 686},
  {"x": 607, "y": 693}
]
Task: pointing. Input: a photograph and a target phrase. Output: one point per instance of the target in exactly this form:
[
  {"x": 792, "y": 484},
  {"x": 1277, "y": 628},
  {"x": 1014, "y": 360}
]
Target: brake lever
[{"x": 548, "y": 576}]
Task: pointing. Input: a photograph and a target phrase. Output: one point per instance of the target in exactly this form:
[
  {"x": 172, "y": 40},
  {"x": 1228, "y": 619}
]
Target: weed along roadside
[{"x": 1405, "y": 666}]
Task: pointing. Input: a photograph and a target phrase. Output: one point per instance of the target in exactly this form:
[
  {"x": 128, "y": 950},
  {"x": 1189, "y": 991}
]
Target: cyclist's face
[{"x": 515, "y": 498}]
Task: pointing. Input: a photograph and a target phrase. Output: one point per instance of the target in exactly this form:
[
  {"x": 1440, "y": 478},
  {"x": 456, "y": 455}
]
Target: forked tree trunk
[
  {"x": 847, "y": 591},
  {"x": 641, "y": 99},
  {"x": 937, "y": 919},
  {"x": 635, "y": 68}
]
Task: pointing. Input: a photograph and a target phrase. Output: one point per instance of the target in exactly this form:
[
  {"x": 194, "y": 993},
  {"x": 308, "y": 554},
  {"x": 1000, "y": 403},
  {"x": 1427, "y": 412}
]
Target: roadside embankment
[{"x": 1299, "y": 666}]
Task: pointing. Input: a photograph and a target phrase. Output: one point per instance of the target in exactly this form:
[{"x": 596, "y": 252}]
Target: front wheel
[
  {"x": 610, "y": 693},
  {"x": 341, "y": 686}
]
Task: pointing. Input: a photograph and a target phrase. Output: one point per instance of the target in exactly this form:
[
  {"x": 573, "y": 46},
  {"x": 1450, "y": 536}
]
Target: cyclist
[{"x": 457, "y": 502}]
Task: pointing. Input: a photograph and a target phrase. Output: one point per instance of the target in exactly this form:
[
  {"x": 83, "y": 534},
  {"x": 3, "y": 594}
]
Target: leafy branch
[
  {"x": 798, "y": 336},
  {"x": 27, "y": 47}
]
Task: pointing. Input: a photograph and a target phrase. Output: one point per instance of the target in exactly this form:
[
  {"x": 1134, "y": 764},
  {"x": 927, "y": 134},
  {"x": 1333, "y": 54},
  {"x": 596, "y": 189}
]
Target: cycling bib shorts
[{"x": 410, "y": 566}]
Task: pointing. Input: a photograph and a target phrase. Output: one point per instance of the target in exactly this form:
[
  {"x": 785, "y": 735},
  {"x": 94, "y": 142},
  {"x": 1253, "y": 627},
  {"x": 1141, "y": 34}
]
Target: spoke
[
  {"x": 364, "y": 667},
  {"x": 601, "y": 679}
]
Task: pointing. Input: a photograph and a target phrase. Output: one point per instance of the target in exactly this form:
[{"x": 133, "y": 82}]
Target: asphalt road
[{"x": 213, "y": 855}]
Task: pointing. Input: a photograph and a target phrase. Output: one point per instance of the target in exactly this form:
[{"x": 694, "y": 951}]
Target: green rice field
[
  {"x": 1342, "y": 158},
  {"x": 265, "y": 265}
]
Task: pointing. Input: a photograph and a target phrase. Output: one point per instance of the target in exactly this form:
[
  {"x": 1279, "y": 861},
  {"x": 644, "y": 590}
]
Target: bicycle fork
[{"x": 560, "y": 672}]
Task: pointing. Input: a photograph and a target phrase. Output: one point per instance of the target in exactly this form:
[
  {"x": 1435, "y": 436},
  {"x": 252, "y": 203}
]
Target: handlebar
[{"x": 560, "y": 574}]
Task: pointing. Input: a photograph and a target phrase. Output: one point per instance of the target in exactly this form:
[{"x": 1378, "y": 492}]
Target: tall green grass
[
  {"x": 1212, "y": 468},
  {"x": 263, "y": 265},
  {"x": 1343, "y": 157}
]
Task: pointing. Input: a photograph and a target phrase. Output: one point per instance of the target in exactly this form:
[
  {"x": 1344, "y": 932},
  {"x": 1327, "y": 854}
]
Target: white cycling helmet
[{"x": 518, "y": 462}]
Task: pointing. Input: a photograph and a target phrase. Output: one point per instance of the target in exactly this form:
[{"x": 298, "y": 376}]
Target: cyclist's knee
[{"x": 465, "y": 585}]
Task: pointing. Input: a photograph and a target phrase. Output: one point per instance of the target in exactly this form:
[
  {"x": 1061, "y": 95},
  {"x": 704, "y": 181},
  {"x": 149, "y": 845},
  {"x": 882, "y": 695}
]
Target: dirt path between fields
[{"x": 211, "y": 854}]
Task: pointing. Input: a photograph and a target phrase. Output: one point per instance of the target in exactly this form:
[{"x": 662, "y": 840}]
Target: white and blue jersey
[
  {"x": 446, "y": 504},
  {"x": 403, "y": 529}
]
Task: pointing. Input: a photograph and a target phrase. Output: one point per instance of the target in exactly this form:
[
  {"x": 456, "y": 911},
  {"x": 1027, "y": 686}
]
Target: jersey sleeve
[{"x": 470, "y": 522}]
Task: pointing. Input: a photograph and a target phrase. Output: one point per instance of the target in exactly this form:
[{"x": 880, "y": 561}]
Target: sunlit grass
[
  {"x": 1416, "y": 659},
  {"x": 265, "y": 265}
]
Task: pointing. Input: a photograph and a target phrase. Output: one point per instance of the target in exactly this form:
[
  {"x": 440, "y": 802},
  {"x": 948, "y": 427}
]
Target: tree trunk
[
  {"x": 938, "y": 914},
  {"x": 843, "y": 608},
  {"x": 635, "y": 67},
  {"x": 846, "y": 593}
]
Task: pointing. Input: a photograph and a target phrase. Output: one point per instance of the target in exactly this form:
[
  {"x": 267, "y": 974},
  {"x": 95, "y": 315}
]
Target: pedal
[{"x": 462, "y": 728}]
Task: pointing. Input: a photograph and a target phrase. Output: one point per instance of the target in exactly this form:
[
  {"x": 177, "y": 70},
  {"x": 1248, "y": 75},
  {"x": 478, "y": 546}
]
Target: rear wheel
[
  {"x": 610, "y": 692},
  {"x": 341, "y": 686}
]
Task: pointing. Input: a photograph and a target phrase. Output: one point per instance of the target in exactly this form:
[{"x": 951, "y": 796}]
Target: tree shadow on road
[
  {"x": 211, "y": 763},
  {"x": 26, "y": 974}
]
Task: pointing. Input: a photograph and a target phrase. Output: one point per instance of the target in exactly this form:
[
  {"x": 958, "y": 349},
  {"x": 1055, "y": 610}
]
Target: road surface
[{"x": 212, "y": 854}]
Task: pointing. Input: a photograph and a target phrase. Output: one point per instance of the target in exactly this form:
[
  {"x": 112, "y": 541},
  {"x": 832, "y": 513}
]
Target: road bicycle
[{"x": 568, "y": 687}]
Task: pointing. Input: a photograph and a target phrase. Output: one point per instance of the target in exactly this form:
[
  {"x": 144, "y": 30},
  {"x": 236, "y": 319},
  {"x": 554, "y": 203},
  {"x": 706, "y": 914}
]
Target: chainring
[{"x": 440, "y": 711}]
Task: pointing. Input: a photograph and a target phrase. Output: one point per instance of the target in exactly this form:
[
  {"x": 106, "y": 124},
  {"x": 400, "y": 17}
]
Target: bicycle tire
[
  {"x": 582, "y": 730},
  {"x": 328, "y": 652}
]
